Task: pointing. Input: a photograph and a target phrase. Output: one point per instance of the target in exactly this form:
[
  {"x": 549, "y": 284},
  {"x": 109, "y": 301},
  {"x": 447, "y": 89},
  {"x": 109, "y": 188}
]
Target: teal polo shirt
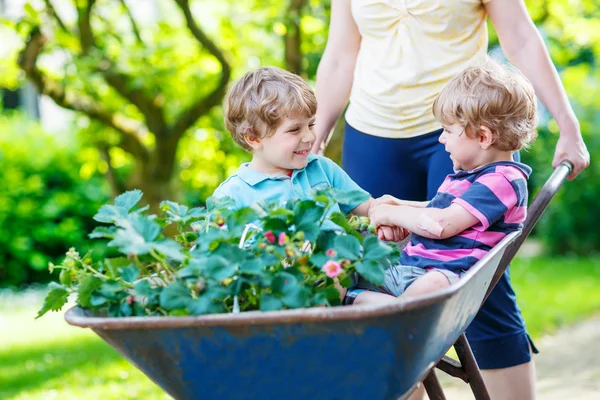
[{"x": 247, "y": 186}]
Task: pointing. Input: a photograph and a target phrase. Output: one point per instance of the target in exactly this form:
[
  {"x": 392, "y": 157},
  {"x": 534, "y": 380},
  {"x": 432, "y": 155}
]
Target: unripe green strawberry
[{"x": 65, "y": 277}]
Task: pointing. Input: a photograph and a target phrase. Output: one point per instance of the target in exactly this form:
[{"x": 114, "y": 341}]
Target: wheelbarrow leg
[
  {"x": 433, "y": 387},
  {"x": 465, "y": 355}
]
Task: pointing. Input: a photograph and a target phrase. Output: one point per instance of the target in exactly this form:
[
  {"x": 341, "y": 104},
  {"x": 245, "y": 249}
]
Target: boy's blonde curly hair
[
  {"x": 491, "y": 95},
  {"x": 258, "y": 102}
]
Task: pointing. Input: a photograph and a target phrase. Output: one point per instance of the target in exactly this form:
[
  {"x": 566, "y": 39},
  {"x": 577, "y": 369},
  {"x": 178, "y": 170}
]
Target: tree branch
[
  {"x": 202, "y": 106},
  {"x": 148, "y": 107},
  {"x": 54, "y": 14},
  {"x": 86, "y": 36},
  {"x": 116, "y": 186},
  {"x": 130, "y": 130},
  {"x": 121, "y": 81},
  {"x": 134, "y": 26}
]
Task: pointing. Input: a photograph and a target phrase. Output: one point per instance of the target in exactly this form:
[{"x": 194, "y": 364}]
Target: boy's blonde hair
[
  {"x": 491, "y": 95},
  {"x": 257, "y": 103}
]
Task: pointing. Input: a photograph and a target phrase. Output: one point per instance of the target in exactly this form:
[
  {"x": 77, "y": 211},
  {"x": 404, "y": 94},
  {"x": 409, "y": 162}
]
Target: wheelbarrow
[{"x": 362, "y": 352}]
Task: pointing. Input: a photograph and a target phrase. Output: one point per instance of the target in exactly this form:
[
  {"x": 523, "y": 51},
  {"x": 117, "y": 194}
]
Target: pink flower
[
  {"x": 332, "y": 268},
  {"x": 270, "y": 236},
  {"x": 283, "y": 239},
  {"x": 331, "y": 253}
]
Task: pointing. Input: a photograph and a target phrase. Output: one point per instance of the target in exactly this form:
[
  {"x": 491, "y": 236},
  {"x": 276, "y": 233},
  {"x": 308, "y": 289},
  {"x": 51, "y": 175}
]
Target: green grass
[
  {"x": 554, "y": 292},
  {"x": 49, "y": 359}
]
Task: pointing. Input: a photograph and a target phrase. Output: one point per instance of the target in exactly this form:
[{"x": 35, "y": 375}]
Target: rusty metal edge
[{"x": 78, "y": 317}]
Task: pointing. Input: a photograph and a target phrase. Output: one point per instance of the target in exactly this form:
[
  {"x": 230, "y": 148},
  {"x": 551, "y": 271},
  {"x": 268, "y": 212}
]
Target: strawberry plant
[{"x": 269, "y": 257}]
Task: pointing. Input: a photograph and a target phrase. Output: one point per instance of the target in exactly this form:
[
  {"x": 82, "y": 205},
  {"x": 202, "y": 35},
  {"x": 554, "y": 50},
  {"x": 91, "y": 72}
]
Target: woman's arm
[
  {"x": 336, "y": 71},
  {"x": 433, "y": 223},
  {"x": 524, "y": 47}
]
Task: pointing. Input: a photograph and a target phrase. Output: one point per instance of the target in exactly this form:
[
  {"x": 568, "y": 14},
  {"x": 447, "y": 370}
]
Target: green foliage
[
  {"x": 569, "y": 224},
  {"x": 269, "y": 257},
  {"x": 45, "y": 203}
]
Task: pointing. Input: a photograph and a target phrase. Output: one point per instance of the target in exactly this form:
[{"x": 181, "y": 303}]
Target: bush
[
  {"x": 569, "y": 223},
  {"x": 45, "y": 203}
]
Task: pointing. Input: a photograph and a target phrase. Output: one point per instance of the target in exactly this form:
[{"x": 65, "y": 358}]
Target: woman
[{"x": 391, "y": 58}]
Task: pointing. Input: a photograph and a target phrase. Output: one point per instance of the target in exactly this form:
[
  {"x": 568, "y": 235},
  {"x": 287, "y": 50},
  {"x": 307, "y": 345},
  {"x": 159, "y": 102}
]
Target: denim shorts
[{"x": 397, "y": 279}]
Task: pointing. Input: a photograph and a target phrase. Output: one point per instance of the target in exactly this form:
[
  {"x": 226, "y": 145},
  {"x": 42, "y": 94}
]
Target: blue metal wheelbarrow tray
[
  {"x": 360, "y": 352},
  {"x": 357, "y": 352}
]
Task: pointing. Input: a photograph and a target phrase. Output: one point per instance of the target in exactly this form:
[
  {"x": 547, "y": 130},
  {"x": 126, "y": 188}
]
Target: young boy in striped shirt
[{"x": 488, "y": 113}]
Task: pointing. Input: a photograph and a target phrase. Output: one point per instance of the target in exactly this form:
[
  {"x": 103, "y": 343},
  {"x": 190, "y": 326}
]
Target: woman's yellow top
[{"x": 409, "y": 50}]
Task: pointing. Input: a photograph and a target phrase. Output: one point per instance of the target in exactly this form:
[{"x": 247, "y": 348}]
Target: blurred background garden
[{"x": 98, "y": 97}]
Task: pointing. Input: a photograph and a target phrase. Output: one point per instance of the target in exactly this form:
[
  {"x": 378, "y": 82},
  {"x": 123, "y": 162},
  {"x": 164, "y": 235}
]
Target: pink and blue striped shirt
[{"x": 496, "y": 194}]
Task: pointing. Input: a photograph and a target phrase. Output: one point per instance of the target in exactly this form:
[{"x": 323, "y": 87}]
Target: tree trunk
[{"x": 293, "y": 37}]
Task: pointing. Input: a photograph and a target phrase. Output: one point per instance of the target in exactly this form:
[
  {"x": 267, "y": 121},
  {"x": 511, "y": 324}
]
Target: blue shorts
[
  {"x": 397, "y": 279},
  {"x": 413, "y": 169}
]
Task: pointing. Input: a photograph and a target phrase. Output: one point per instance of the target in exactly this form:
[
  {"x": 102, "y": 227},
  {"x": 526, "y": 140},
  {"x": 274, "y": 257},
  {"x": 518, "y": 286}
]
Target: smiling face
[
  {"x": 465, "y": 152},
  {"x": 286, "y": 149}
]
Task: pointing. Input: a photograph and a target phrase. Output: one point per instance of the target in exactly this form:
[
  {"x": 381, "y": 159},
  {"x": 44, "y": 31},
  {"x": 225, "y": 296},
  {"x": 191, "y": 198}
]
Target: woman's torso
[{"x": 409, "y": 50}]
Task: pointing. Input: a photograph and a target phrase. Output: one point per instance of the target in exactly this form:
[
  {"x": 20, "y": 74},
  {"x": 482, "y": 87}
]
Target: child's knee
[{"x": 432, "y": 281}]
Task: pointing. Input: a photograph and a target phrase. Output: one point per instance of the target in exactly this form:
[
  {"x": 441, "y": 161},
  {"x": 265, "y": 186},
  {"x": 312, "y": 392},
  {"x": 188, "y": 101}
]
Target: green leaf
[
  {"x": 318, "y": 259},
  {"x": 126, "y": 310},
  {"x": 326, "y": 240},
  {"x": 296, "y": 296},
  {"x": 147, "y": 228},
  {"x": 143, "y": 288},
  {"x": 103, "y": 232},
  {"x": 311, "y": 231},
  {"x": 319, "y": 299},
  {"x": 55, "y": 299},
  {"x": 345, "y": 280},
  {"x": 219, "y": 268},
  {"x": 174, "y": 211},
  {"x": 372, "y": 271},
  {"x": 269, "y": 302},
  {"x": 374, "y": 249},
  {"x": 283, "y": 281},
  {"x": 170, "y": 249},
  {"x": 174, "y": 296},
  {"x": 111, "y": 214},
  {"x": 128, "y": 199},
  {"x": 98, "y": 300},
  {"x": 333, "y": 296},
  {"x": 209, "y": 303},
  {"x": 215, "y": 203},
  {"x": 84, "y": 291},
  {"x": 130, "y": 273},
  {"x": 231, "y": 252},
  {"x": 276, "y": 225},
  {"x": 137, "y": 235},
  {"x": 347, "y": 246},
  {"x": 252, "y": 266},
  {"x": 307, "y": 212},
  {"x": 111, "y": 265},
  {"x": 340, "y": 220},
  {"x": 189, "y": 272},
  {"x": 112, "y": 290}
]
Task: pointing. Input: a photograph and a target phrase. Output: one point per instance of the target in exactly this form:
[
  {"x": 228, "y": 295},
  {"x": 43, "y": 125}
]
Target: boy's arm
[
  {"x": 433, "y": 223},
  {"x": 362, "y": 210},
  {"x": 391, "y": 200}
]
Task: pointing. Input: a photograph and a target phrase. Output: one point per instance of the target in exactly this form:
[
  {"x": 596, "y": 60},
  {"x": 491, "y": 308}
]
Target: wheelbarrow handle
[{"x": 534, "y": 213}]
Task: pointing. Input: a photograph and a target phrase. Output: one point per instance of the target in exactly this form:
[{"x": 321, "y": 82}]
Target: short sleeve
[
  {"x": 488, "y": 198},
  {"x": 340, "y": 180}
]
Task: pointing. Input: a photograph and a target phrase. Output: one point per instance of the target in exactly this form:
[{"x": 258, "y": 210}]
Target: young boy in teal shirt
[{"x": 271, "y": 114}]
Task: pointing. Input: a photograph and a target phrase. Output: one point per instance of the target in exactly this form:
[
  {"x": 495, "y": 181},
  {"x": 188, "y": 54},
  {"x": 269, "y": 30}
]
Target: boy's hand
[
  {"x": 392, "y": 233},
  {"x": 386, "y": 229},
  {"x": 380, "y": 215}
]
